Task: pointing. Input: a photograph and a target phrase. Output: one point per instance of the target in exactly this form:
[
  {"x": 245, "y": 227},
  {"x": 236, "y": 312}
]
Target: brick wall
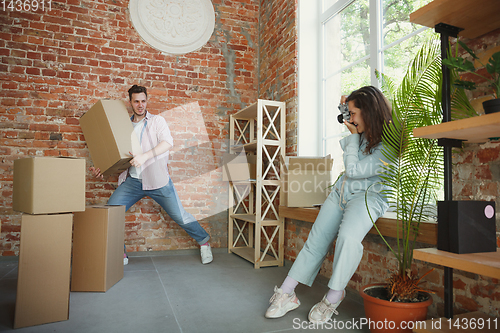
[
  {"x": 56, "y": 64},
  {"x": 278, "y": 61}
]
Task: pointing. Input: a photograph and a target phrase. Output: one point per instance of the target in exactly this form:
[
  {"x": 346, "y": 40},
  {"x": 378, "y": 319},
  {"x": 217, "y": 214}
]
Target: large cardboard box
[
  {"x": 110, "y": 136},
  {"x": 306, "y": 180},
  {"x": 44, "y": 269},
  {"x": 238, "y": 167},
  {"x": 98, "y": 248},
  {"x": 47, "y": 185}
]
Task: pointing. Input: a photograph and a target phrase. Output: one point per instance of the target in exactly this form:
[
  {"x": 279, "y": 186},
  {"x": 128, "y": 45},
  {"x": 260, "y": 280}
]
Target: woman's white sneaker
[
  {"x": 323, "y": 311},
  {"x": 281, "y": 303}
]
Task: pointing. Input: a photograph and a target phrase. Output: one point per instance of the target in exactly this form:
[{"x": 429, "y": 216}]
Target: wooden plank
[
  {"x": 249, "y": 112},
  {"x": 299, "y": 213},
  {"x": 253, "y": 219},
  {"x": 474, "y": 129},
  {"x": 475, "y": 19},
  {"x": 486, "y": 263},
  {"x": 247, "y": 147},
  {"x": 480, "y": 322},
  {"x": 248, "y": 253},
  {"x": 387, "y": 226}
]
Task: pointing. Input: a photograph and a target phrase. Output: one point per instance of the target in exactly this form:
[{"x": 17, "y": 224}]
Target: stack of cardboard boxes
[
  {"x": 47, "y": 190},
  {"x": 50, "y": 192},
  {"x": 99, "y": 231}
]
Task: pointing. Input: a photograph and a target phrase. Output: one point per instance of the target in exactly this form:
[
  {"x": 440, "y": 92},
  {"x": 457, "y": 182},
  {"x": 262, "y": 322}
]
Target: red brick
[{"x": 488, "y": 154}]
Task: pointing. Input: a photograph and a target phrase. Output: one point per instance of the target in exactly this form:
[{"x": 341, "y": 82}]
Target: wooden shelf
[
  {"x": 475, "y": 17},
  {"x": 472, "y": 130},
  {"x": 252, "y": 146},
  {"x": 487, "y": 263},
  {"x": 249, "y": 112},
  {"x": 248, "y": 253},
  {"x": 387, "y": 226},
  {"x": 253, "y": 219}
]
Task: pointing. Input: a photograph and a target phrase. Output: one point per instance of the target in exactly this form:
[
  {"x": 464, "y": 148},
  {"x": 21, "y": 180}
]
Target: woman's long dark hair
[{"x": 375, "y": 110}]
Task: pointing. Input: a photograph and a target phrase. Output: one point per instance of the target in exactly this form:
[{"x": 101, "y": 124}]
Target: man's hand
[
  {"x": 97, "y": 173},
  {"x": 138, "y": 159}
]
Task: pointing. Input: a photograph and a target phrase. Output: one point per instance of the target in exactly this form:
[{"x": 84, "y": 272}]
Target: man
[{"x": 148, "y": 173}]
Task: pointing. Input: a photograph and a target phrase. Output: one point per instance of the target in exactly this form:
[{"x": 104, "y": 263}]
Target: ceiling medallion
[{"x": 173, "y": 26}]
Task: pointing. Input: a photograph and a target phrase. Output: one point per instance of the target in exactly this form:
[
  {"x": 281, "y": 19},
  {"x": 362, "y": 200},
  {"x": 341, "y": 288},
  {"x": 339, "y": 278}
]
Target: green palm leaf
[{"x": 414, "y": 173}]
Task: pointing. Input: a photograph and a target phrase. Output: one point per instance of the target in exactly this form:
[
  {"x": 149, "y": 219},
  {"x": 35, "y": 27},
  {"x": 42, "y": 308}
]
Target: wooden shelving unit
[
  {"x": 475, "y": 17},
  {"x": 471, "y": 130},
  {"x": 258, "y": 129},
  {"x": 469, "y": 19},
  {"x": 487, "y": 263}
]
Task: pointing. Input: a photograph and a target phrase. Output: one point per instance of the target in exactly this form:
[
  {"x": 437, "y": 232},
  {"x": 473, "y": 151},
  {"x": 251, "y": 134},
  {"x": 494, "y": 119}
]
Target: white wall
[{"x": 309, "y": 103}]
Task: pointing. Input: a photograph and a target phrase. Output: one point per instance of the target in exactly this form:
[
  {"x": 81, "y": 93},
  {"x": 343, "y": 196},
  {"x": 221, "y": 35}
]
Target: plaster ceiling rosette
[{"x": 173, "y": 26}]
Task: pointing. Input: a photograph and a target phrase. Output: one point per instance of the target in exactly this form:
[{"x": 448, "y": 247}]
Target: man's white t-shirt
[{"x": 136, "y": 172}]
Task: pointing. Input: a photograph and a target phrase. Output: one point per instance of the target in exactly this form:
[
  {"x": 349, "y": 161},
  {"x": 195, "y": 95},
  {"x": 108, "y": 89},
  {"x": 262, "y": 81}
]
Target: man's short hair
[{"x": 135, "y": 89}]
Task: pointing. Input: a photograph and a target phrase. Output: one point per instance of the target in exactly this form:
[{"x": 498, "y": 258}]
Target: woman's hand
[
  {"x": 351, "y": 127},
  {"x": 97, "y": 173}
]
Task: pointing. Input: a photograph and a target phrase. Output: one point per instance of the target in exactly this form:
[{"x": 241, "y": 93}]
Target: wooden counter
[
  {"x": 487, "y": 263},
  {"x": 387, "y": 226},
  {"x": 475, "y": 17},
  {"x": 474, "y": 129}
]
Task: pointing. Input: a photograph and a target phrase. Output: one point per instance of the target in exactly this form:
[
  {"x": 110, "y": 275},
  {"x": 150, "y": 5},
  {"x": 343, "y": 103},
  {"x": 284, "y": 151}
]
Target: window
[{"x": 357, "y": 37}]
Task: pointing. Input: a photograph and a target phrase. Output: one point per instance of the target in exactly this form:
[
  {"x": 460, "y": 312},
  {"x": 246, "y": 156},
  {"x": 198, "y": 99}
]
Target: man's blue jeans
[{"x": 130, "y": 191}]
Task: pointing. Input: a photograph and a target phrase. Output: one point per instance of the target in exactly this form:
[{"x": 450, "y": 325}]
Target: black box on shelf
[{"x": 466, "y": 226}]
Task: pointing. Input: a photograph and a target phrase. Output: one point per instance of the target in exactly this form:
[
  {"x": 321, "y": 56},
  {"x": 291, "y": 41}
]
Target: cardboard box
[
  {"x": 110, "y": 136},
  {"x": 238, "y": 167},
  {"x": 44, "y": 269},
  {"x": 47, "y": 185},
  {"x": 306, "y": 180},
  {"x": 98, "y": 248}
]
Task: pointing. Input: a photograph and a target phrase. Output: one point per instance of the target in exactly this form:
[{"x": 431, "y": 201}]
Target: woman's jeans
[
  {"x": 130, "y": 191},
  {"x": 349, "y": 222}
]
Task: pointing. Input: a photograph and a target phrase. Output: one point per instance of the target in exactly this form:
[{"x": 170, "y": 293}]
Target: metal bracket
[
  {"x": 450, "y": 143},
  {"x": 447, "y": 29}
]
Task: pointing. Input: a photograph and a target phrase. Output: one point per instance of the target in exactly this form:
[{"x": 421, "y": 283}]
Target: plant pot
[
  {"x": 491, "y": 106},
  {"x": 392, "y": 317}
]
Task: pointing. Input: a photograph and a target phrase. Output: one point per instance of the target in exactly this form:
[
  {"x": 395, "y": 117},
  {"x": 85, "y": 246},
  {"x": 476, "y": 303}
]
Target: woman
[{"x": 344, "y": 215}]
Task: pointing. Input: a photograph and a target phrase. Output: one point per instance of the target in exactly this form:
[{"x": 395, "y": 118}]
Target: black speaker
[{"x": 466, "y": 226}]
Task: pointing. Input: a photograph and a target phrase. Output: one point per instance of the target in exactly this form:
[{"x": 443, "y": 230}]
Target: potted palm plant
[
  {"x": 492, "y": 75},
  {"x": 413, "y": 177}
]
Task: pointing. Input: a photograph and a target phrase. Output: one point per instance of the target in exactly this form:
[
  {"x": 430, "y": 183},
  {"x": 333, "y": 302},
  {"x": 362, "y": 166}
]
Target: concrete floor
[{"x": 173, "y": 292}]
